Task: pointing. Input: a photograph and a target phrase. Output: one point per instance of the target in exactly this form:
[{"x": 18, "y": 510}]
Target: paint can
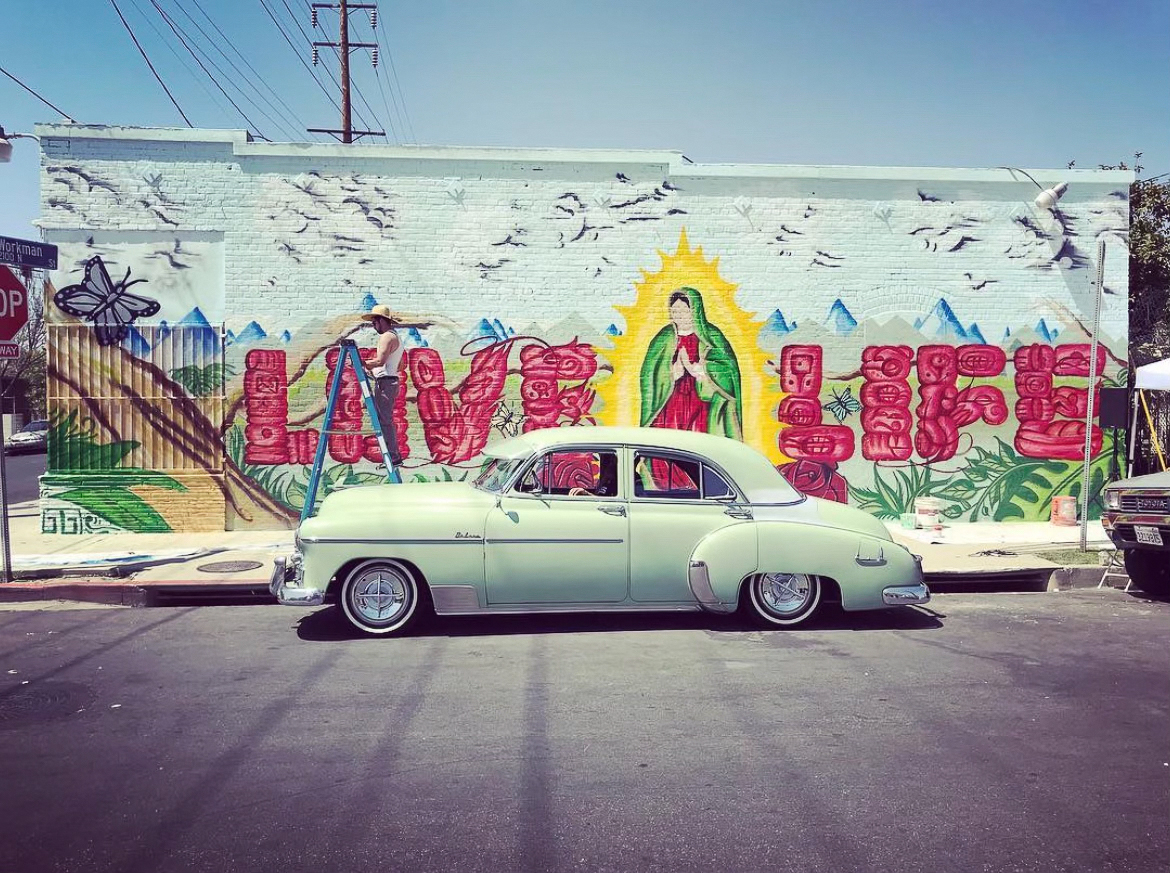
[
  {"x": 1064, "y": 511},
  {"x": 928, "y": 512}
]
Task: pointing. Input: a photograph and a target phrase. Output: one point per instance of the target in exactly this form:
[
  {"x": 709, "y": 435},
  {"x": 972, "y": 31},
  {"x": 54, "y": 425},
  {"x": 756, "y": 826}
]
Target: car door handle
[
  {"x": 738, "y": 510},
  {"x": 612, "y": 509}
]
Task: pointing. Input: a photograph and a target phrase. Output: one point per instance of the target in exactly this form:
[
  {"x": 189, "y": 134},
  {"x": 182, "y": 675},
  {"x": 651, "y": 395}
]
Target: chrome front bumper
[
  {"x": 906, "y": 595},
  {"x": 287, "y": 584}
]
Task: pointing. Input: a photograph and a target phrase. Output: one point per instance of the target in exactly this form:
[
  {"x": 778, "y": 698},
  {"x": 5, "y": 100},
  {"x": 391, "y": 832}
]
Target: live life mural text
[{"x": 880, "y": 335}]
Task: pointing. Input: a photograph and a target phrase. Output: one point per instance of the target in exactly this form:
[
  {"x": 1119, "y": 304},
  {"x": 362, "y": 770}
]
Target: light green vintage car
[{"x": 596, "y": 519}]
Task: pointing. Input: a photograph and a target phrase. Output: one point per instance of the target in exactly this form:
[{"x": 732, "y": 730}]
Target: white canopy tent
[
  {"x": 1151, "y": 377},
  {"x": 1154, "y": 376}
]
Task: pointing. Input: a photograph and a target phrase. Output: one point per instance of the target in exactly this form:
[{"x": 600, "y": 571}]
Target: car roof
[{"x": 751, "y": 471}]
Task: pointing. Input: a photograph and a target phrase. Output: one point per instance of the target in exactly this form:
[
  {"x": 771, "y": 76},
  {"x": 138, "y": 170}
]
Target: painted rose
[
  {"x": 816, "y": 479},
  {"x": 576, "y": 402}
]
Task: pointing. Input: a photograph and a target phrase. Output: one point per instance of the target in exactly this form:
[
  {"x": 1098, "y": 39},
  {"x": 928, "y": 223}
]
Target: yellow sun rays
[{"x": 621, "y": 392}]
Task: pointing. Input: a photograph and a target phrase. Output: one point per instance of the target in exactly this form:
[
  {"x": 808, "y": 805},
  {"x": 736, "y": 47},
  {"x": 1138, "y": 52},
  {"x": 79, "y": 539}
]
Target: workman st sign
[
  {"x": 13, "y": 304},
  {"x": 26, "y": 253}
]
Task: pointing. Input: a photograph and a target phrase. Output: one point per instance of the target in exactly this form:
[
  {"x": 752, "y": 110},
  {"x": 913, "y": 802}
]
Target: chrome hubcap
[
  {"x": 380, "y": 596},
  {"x": 784, "y": 593}
]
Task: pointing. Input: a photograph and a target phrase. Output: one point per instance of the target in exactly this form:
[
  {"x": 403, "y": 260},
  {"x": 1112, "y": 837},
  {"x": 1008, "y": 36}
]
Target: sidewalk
[
  {"x": 138, "y": 569},
  {"x": 146, "y": 569}
]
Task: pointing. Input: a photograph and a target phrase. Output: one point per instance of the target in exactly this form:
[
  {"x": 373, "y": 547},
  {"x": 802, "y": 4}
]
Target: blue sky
[{"x": 891, "y": 83}]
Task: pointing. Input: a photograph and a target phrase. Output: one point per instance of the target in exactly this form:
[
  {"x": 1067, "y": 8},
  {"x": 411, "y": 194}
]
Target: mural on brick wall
[{"x": 190, "y": 404}]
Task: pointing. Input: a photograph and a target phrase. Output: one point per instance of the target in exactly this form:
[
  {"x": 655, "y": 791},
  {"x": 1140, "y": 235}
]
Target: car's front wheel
[
  {"x": 380, "y": 597},
  {"x": 782, "y": 599},
  {"x": 1149, "y": 570}
]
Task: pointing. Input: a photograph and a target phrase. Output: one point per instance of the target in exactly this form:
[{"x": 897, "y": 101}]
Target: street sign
[
  {"x": 27, "y": 253},
  {"x": 9, "y": 351},
  {"x": 13, "y": 304}
]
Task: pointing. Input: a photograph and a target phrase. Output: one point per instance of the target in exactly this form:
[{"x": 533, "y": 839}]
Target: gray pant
[{"x": 385, "y": 393}]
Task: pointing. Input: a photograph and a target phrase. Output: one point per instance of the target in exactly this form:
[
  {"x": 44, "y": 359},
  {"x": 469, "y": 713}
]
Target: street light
[
  {"x": 1047, "y": 197},
  {"x": 6, "y": 144}
]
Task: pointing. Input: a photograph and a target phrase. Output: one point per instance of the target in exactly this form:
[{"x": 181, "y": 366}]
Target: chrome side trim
[
  {"x": 462, "y": 541},
  {"x": 879, "y": 561},
  {"x": 455, "y": 599},
  {"x": 550, "y": 541},
  {"x": 904, "y": 595},
  {"x": 584, "y": 607},
  {"x": 699, "y": 580}
]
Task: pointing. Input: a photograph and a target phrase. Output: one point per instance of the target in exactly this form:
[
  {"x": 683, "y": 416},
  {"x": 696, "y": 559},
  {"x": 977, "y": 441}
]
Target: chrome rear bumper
[
  {"x": 287, "y": 584},
  {"x": 905, "y": 595}
]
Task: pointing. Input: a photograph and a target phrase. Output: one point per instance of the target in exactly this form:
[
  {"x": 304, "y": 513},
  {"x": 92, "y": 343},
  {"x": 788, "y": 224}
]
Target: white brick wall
[{"x": 532, "y": 237}]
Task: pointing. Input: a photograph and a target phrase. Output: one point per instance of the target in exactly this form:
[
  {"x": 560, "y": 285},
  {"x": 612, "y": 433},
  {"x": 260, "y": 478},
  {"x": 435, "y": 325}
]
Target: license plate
[{"x": 1149, "y": 536}]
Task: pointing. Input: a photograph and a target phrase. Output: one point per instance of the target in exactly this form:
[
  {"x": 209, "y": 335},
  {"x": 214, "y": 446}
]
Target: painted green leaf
[
  {"x": 73, "y": 446},
  {"x": 201, "y": 381},
  {"x": 119, "y": 507}
]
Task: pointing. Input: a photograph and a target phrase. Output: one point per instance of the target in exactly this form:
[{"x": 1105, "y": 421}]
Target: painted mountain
[
  {"x": 776, "y": 325},
  {"x": 197, "y": 335},
  {"x": 613, "y": 330},
  {"x": 941, "y": 323},
  {"x": 412, "y": 339},
  {"x": 252, "y": 333},
  {"x": 494, "y": 329},
  {"x": 136, "y": 344},
  {"x": 840, "y": 320}
]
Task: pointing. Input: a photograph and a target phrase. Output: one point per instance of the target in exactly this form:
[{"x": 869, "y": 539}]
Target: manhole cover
[
  {"x": 39, "y": 702},
  {"x": 229, "y": 566}
]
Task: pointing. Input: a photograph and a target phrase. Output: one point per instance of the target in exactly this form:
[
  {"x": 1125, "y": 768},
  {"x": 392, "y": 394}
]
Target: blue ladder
[{"x": 351, "y": 357}]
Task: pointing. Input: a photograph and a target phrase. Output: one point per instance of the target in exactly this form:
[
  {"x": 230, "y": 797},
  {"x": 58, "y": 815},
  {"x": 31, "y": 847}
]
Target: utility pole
[{"x": 344, "y": 47}]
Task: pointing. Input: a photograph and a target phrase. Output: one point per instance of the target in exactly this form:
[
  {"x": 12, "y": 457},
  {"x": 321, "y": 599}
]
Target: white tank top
[{"x": 390, "y": 368}]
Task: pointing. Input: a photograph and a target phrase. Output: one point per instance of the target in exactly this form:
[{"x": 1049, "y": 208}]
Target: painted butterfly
[{"x": 105, "y": 303}]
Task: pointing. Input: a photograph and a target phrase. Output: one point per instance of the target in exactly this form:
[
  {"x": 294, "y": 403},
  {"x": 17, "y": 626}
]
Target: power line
[
  {"x": 35, "y": 94},
  {"x": 186, "y": 66},
  {"x": 284, "y": 33},
  {"x": 142, "y": 51},
  {"x": 214, "y": 81},
  {"x": 390, "y": 56},
  {"x": 244, "y": 58},
  {"x": 279, "y": 121}
]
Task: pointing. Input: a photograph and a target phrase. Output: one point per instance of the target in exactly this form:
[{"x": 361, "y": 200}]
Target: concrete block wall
[{"x": 536, "y": 282}]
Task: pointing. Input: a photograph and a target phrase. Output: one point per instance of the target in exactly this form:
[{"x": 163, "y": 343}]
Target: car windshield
[
  {"x": 495, "y": 473},
  {"x": 35, "y": 426}
]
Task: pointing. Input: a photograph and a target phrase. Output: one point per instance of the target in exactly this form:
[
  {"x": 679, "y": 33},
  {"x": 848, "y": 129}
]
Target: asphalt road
[
  {"x": 21, "y": 473},
  {"x": 1022, "y": 732}
]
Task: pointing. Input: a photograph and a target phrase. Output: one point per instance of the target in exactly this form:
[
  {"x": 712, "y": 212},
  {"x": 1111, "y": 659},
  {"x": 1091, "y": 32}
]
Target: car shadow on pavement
[{"x": 328, "y": 625}]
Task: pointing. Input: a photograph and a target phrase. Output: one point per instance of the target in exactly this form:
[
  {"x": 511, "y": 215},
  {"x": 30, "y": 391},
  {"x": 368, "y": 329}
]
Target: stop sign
[{"x": 13, "y": 304}]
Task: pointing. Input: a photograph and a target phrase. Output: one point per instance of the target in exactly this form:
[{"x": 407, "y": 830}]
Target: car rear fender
[{"x": 861, "y": 564}]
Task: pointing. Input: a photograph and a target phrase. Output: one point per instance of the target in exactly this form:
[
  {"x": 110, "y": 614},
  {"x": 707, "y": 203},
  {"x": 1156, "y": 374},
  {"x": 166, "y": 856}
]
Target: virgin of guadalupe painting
[{"x": 690, "y": 378}]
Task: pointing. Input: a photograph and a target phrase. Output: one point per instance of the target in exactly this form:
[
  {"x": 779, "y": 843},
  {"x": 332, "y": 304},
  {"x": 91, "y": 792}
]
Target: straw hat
[{"x": 379, "y": 311}]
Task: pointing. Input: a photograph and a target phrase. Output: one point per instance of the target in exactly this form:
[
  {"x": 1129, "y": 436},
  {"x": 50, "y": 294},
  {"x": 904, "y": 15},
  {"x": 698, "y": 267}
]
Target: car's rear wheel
[
  {"x": 1149, "y": 570},
  {"x": 380, "y": 597},
  {"x": 782, "y": 599}
]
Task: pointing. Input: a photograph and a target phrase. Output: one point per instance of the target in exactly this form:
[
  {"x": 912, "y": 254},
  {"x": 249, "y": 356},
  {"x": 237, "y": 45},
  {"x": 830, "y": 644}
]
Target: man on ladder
[{"x": 384, "y": 369}]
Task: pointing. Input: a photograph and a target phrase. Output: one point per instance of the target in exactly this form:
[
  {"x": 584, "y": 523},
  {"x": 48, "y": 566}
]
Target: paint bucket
[
  {"x": 909, "y": 520},
  {"x": 928, "y": 511},
  {"x": 1064, "y": 511}
]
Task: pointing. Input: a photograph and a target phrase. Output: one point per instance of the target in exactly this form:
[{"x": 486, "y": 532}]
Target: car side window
[
  {"x": 715, "y": 487},
  {"x": 572, "y": 473},
  {"x": 666, "y": 477}
]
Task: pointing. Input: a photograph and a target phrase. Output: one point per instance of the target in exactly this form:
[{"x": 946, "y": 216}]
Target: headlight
[{"x": 1113, "y": 500}]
